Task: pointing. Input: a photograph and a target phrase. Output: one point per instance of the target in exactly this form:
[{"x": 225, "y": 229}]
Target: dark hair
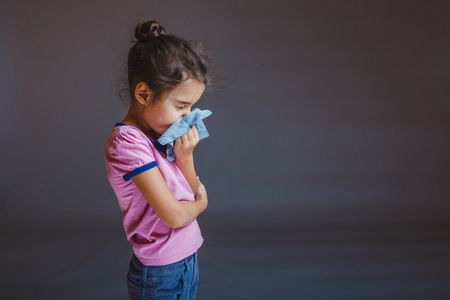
[{"x": 162, "y": 60}]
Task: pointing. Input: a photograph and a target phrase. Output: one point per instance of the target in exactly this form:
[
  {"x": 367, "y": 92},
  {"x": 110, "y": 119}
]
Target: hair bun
[{"x": 148, "y": 29}]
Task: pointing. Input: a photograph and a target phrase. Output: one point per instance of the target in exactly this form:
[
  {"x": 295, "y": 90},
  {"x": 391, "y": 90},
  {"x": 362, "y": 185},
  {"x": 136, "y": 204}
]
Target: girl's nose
[{"x": 187, "y": 111}]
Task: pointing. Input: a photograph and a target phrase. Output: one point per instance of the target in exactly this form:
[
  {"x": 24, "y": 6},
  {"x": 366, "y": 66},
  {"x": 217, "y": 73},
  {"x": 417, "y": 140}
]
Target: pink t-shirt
[{"x": 128, "y": 152}]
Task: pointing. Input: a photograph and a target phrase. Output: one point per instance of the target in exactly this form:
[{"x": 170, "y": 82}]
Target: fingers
[
  {"x": 200, "y": 184},
  {"x": 179, "y": 140},
  {"x": 184, "y": 139},
  {"x": 185, "y": 144},
  {"x": 195, "y": 132},
  {"x": 201, "y": 192},
  {"x": 189, "y": 137},
  {"x": 192, "y": 134}
]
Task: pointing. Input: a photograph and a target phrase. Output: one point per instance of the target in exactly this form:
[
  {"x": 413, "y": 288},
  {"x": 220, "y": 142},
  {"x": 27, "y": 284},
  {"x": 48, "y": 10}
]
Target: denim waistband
[{"x": 166, "y": 270}]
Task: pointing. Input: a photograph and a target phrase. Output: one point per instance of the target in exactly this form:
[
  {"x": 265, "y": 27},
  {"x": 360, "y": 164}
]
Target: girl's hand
[
  {"x": 185, "y": 144},
  {"x": 201, "y": 196}
]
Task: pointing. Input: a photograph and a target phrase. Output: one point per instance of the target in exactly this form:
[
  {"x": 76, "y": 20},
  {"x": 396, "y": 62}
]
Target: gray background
[{"x": 327, "y": 167}]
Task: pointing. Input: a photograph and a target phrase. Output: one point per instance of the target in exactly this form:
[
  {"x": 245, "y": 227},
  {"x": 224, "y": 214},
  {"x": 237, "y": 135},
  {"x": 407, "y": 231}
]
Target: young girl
[{"x": 159, "y": 200}]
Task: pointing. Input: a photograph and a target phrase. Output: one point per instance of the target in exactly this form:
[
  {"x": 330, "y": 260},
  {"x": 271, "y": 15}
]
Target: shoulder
[{"x": 126, "y": 139}]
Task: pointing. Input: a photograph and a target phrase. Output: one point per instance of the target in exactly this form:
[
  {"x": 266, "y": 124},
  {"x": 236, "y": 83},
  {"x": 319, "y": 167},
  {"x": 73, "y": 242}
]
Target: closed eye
[{"x": 182, "y": 104}]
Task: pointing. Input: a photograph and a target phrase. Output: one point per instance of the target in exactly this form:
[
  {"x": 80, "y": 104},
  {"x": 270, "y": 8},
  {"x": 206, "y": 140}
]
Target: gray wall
[
  {"x": 336, "y": 113},
  {"x": 333, "y": 106}
]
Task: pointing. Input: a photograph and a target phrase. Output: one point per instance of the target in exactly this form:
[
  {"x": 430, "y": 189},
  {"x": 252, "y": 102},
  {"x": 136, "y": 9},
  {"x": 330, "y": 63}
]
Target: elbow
[
  {"x": 173, "y": 223},
  {"x": 176, "y": 220}
]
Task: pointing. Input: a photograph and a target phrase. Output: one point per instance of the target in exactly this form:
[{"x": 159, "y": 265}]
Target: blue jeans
[{"x": 175, "y": 281}]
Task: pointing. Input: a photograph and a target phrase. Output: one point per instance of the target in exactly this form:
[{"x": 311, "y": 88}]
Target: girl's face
[{"x": 172, "y": 105}]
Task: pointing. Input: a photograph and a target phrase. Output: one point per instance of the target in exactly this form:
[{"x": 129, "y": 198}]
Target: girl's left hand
[{"x": 185, "y": 144}]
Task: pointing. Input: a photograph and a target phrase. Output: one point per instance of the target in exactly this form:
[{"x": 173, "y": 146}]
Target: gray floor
[{"x": 286, "y": 259}]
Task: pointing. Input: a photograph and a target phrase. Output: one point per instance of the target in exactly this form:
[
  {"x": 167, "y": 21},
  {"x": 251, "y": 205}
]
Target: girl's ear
[{"x": 143, "y": 94}]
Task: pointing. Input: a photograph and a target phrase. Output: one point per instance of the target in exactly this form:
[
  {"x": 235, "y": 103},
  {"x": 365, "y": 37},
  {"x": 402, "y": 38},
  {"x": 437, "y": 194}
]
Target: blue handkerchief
[{"x": 183, "y": 125}]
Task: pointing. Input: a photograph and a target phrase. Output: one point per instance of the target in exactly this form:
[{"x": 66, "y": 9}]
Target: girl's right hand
[{"x": 185, "y": 144}]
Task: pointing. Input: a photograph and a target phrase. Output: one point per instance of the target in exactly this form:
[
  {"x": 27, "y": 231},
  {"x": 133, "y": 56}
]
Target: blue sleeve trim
[{"x": 139, "y": 170}]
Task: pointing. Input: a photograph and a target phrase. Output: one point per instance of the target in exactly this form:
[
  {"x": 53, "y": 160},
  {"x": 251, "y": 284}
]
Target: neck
[{"x": 133, "y": 118}]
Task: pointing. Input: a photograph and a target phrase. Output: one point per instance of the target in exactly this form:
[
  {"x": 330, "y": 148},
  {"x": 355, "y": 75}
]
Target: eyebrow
[{"x": 183, "y": 102}]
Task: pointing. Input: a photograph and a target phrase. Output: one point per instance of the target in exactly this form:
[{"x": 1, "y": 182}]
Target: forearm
[
  {"x": 188, "y": 212},
  {"x": 170, "y": 210},
  {"x": 187, "y": 167}
]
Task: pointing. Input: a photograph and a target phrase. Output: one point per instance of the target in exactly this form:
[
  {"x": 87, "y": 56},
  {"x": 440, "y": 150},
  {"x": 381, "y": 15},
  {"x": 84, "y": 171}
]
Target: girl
[{"x": 159, "y": 200}]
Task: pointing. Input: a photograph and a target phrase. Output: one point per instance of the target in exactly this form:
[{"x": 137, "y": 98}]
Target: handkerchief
[{"x": 181, "y": 127}]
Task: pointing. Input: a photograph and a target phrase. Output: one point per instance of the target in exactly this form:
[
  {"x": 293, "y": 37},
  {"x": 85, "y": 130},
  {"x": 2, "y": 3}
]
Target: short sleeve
[{"x": 129, "y": 154}]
